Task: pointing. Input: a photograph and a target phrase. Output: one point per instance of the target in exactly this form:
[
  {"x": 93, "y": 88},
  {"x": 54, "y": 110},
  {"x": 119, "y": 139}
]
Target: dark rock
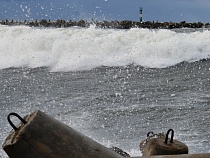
[
  {"x": 43, "y": 22},
  {"x": 81, "y": 23},
  {"x": 126, "y": 24}
]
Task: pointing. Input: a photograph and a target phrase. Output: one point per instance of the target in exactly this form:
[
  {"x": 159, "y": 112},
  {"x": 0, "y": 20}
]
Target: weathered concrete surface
[
  {"x": 161, "y": 144},
  {"x": 156, "y": 146},
  {"x": 45, "y": 137},
  {"x": 204, "y": 155}
]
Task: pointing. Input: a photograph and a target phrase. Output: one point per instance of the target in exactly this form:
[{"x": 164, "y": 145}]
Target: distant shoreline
[{"x": 124, "y": 24}]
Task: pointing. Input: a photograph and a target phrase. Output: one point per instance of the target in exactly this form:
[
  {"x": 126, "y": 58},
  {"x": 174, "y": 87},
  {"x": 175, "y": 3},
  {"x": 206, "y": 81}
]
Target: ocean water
[{"x": 114, "y": 86}]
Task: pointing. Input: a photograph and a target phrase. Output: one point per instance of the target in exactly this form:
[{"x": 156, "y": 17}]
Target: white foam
[{"x": 69, "y": 49}]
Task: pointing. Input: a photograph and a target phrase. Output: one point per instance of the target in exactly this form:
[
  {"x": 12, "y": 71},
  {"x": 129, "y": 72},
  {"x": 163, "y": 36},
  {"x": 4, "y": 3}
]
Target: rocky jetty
[{"x": 124, "y": 24}]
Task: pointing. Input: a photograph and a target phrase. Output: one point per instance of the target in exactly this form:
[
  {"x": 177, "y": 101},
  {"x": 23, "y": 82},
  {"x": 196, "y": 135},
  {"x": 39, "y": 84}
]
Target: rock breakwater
[{"x": 124, "y": 24}]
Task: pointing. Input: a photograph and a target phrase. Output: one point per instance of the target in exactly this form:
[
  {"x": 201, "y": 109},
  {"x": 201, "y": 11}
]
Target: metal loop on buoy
[
  {"x": 148, "y": 134},
  {"x": 18, "y": 116},
  {"x": 172, "y": 136}
]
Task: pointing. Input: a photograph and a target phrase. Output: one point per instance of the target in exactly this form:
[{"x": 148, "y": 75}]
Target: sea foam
[{"x": 71, "y": 49}]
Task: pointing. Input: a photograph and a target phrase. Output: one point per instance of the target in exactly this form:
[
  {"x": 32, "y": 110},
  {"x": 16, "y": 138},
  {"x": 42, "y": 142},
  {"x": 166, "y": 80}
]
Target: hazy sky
[{"x": 153, "y": 10}]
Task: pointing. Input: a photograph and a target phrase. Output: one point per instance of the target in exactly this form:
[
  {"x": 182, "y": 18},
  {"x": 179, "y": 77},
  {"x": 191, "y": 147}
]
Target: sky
[{"x": 153, "y": 10}]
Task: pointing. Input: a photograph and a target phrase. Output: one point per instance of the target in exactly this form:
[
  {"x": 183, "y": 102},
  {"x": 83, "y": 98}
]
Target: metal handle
[
  {"x": 148, "y": 134},
  {"x": 172, "y": 136},
  {"x": 18, "y": 116}
]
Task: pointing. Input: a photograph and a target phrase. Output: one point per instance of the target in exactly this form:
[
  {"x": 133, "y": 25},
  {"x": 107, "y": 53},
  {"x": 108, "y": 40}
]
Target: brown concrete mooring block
[{"x": 162, "y": 145}]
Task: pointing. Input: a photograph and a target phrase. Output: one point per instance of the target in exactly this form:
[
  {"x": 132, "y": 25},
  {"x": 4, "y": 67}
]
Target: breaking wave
[{"x": 71, "y": 49}]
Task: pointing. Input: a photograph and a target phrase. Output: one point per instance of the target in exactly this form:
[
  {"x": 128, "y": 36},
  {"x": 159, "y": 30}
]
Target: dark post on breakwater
[{"x": 124, "y": 24}]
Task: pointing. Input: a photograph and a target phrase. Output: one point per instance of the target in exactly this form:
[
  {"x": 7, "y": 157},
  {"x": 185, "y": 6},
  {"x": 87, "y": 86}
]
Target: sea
[{"x": 112, "y": 85}]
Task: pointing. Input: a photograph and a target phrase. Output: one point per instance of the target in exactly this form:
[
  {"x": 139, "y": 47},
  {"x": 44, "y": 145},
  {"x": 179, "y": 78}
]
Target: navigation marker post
[{"x": 140, "y": 16}]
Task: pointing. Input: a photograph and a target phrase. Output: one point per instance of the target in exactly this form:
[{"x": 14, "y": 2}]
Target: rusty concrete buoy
[
  {"x": 160, "y": 144},
  {"x": 41, "y": 136}
]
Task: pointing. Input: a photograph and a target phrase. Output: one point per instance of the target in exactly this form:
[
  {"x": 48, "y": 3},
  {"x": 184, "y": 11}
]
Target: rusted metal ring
[
  {"x": 18, "y": 116},
  {"x": 148, "y": 134},
  {"x": 172, "y": 136}
]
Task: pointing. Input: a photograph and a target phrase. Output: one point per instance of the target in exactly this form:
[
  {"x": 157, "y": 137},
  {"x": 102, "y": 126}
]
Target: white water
[{"x": 67, "y": 49}]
